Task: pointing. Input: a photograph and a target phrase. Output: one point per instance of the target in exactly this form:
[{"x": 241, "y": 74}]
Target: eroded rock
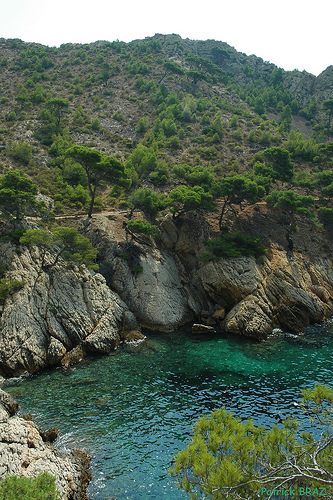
[
  {"x": 56, "y": 311},
  {"x": 24, "y": 452}
]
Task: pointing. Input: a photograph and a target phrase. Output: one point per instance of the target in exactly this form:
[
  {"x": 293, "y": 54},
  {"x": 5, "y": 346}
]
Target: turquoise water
[{"x": 133, "y": 410}]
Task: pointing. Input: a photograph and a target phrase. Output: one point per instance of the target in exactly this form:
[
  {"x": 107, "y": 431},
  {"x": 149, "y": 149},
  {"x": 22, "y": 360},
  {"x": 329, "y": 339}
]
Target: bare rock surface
[
  {"x": 54, "y": 312},
  {"x": 285, "y": 291},
  {"x": 24, "y": 453}
]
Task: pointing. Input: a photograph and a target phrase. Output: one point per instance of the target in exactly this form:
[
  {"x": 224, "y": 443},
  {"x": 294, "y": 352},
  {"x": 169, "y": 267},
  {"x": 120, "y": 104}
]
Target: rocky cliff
[
  {"x": 24, "y": 451},
  {"x": 64, "y": 311},
  {"x": 59, "y": 313}
]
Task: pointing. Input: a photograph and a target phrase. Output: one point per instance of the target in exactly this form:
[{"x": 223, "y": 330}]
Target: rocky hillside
[{"x": 212, "y": 175}]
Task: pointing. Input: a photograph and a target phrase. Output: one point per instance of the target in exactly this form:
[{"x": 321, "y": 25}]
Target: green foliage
[
  {"x": 148, "y": 201},
  {"x": 230, "y": 458},
  {"x": 17, "y": 194},
  {"x": 21, "y": 151},
  {"x": 67, "y": 243},
  {"x": 196, "y": 175},
  {"x": 99, "y": 168},
  {"x": 8, "y": 287},
  {"x": 279, "y": 159},
  {"x": 233, "y": 245},
  {"x": 325, "y": 216},
  {"x": 143, "y": 159},
  {"x": 41, "y": 487},
  {"x": 292, "y": 202},
  {"x": 96, "y": 124},
  {"x": 185, "y": 198},
  {"x": 142, "y": 125},
  {"x": 299, "y": 147},
  {"x": 143, "y": 227}
]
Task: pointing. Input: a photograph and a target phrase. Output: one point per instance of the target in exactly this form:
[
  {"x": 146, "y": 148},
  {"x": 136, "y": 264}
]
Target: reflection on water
[{"x": 133, "y": 410}]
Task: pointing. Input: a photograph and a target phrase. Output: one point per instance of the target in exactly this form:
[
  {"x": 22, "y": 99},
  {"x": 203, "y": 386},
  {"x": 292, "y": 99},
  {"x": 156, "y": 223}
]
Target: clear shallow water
[{"x": 133, "y": 410}]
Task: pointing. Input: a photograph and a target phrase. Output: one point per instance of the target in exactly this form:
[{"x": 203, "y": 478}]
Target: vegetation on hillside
[{"x": 159, "y": 125}]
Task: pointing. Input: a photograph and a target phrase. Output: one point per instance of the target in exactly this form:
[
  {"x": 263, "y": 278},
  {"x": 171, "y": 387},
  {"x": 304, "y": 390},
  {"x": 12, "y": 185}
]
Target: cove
[{"x": 133, "y": 410}]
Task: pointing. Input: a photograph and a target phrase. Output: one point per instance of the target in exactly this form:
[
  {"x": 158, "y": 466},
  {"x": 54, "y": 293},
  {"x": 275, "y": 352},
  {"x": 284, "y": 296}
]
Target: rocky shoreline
[
  {"x": 25, "y": 450},
  {"x": 65, "y": 312}
]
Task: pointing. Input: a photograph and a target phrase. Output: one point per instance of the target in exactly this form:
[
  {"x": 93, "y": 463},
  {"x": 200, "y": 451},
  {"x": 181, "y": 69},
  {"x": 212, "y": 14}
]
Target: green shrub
[
  {"x": 21, "y": 151},
  {"x": 8, "y": 287},
  {"x": 142, "y": 125},
  {"x": 233, "y": 245},
  {"x": 325, "y": 216},
  {"x": 96, "y": 124},
  {"x": 147, "y": 201},
  {"x": 41, "y": 487},
  {"x": 143, "y": 227}
]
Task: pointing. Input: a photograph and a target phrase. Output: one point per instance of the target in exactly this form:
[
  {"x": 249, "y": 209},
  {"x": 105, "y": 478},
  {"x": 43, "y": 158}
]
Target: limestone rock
[
  {"x": 23, "y": 452},
  {"x": 155, "y": 295},
  {"x": 54, "y": 312},
  {"x": 283, "y": 292}
]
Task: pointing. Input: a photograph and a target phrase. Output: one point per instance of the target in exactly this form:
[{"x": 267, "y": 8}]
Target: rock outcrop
[
  {"x": 284, "y": 291},
  {"x": 162, "y": 290},
  {"x": 23, "y": 452},
  {"x": 57, "y": 310}
]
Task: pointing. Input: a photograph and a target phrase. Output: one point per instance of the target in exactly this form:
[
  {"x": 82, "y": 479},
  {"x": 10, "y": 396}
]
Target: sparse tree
[
  {"x": 98, "y": 167},
  {"x": 17, "y": 194},
  {"x": 237, "y": 189},
  {"x": 66, "y": 242}
]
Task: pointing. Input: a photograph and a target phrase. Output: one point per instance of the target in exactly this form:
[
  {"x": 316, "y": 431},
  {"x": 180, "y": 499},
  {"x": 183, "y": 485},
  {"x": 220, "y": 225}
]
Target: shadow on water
[{"x": 133, "y": 410}]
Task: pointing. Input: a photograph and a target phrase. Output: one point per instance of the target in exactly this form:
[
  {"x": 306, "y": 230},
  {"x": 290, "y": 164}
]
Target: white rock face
[
  {"x": 24, "y": 453},
  {"x": 155, "y": 294},
  {"x": 55, "y": 311}
]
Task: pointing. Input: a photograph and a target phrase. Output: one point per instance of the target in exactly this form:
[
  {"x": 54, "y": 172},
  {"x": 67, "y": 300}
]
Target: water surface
[{"x": 133, "y": 410}]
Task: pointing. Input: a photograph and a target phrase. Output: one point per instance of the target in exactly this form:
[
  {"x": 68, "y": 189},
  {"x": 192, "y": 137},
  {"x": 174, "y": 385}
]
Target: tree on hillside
[
  {"x": 279, "y": 160},
  {"x": 233, "y": 459},
  {"x": 185, "y": 198},
  {"x": 17, "y": 195},
  {"x": 292, "y": 203},
  {"x": 237, "y": 189},
  {"x": 171, "y": 67},
  {"x": 57, "y": 107},
  {"x": 66, "y": 242},
  {"x": 98, "y": 167},
  {"x": 328, "y": 106}
]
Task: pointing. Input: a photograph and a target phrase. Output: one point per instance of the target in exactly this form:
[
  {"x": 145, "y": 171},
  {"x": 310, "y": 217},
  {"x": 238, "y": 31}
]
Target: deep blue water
[{"x": 133, "y": 410}]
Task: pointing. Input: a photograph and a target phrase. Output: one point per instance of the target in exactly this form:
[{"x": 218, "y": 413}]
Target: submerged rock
[{"x": 24, "y": 451}]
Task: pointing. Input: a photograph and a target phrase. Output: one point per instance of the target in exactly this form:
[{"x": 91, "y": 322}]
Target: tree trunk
[{"x": 222, "y": 213}]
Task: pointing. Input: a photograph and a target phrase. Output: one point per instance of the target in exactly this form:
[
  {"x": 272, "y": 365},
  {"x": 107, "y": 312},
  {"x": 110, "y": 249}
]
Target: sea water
[{"x": 133, "y": 410}]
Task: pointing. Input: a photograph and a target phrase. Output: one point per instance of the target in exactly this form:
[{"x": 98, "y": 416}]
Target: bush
[
  {"x": 148, "y": 201},
  {"x": 141, "y": 226},
  {"x": 20, "y": 151},
  {"x": 233, "y": 245},
  {"x": 41, "y": 487},
  {"x": 142, "y": 125},
  {"x": 325, "y": 216},
  {"x": 8, "y": 287}
]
